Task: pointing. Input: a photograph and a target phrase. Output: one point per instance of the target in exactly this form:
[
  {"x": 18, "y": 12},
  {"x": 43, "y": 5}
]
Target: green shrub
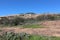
[
  {"x": 14, "y": 36},
  {"x": 25, "y": 36}
]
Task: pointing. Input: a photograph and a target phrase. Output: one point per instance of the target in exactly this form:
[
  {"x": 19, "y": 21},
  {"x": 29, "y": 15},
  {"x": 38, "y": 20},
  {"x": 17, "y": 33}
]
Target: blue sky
[{"x": 8, "y": 7}]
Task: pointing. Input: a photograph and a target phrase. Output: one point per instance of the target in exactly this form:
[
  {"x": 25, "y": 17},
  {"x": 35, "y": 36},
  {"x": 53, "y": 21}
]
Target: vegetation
[
  {"x": 48, "y": 17},
  {"x": 21, "y": 21},
  {"x": 12, "y": 22},
  {"x": 16, "y": 21},
  {"x": 33, "y": 26},
  {"x": 41, "y": 37},
  {"x": 25, "y": 36},
  {"x": 14, "y": 36},
  {"x": 27, "y": 23}
]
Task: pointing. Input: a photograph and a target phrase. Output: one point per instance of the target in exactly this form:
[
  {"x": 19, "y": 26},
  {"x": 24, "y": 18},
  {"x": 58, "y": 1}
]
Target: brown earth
[{"x": 52, "y": 28}]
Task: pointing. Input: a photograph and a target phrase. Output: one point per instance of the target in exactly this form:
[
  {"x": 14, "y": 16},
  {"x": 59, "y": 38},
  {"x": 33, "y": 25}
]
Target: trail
[{"x": 39, "y": 31}]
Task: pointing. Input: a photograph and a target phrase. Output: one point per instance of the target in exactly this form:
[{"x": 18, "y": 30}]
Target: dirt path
[
  {"x": 53, "y": 29},
  {"x": 39, "y": 31}
]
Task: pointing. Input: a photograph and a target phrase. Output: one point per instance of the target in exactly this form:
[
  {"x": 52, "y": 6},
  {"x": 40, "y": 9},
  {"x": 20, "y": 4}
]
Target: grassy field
[
  {"x": 33, "y": 26},
  {"x": 38, "y": 37},
  {"x": 26, "y": 26}
]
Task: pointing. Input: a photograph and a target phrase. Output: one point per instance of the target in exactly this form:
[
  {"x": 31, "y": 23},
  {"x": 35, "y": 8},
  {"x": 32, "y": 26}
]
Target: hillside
[
  {"x": 21, "y": 15},
  {"x": 39, "y": 24},
  {"x": 52, "y": 28},
  {"x": 29, "y": 15},
  {"x": 21, "y": 19}
]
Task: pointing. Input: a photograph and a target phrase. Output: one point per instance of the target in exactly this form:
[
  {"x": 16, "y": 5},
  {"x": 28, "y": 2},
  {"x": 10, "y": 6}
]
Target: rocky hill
[
  {"x": 27, "y": 18},
  {"x": 28, "y": 15},
  {"x": 21, "y": 15}
]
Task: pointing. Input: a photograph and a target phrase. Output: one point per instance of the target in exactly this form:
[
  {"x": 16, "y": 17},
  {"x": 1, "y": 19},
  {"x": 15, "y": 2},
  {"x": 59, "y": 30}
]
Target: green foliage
[
  {"x": 29, "y": 20},
  {"x": 41, "y": 37},
  {"x": 17, "y": 21},
  {"x": 4, "y": 21},
  {"x": 25, "y": 36},
  {"x": 33, "y": 26},
  {"x": 40, "y": 18},
  {"x": 48, "y": 17},
  {"x": 14, "y": 36},
  {"x": 12, "y": 22}
]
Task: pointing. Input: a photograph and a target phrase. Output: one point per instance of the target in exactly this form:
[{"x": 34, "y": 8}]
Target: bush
[
  {"x": 17, "y": 21},
  {"x": 4, "y": 21},
  {"x": 41, "y": 17},
  {"x": 14, "y": 36},
  {"x": 46, "y": 17}
]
